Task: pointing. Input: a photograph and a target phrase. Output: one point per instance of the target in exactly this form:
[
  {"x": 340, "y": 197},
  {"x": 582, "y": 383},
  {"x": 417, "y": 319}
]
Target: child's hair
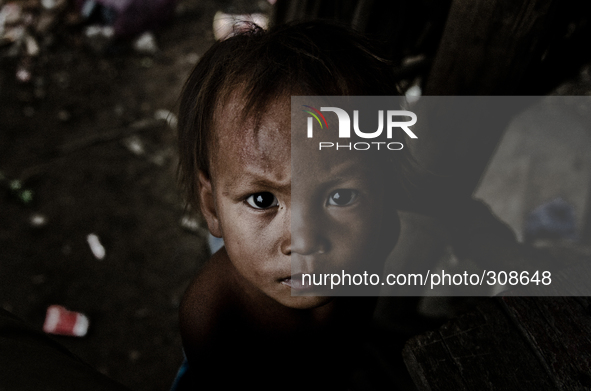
[{"x": 306, "y": 58}]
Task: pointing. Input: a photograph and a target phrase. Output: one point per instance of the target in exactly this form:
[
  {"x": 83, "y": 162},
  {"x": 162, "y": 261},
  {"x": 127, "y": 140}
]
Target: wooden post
[
  {"x": 486, "y": 49},
  {"x": 487, "y": 46}
]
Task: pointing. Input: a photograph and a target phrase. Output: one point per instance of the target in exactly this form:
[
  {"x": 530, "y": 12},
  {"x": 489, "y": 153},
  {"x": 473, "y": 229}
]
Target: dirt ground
[
  {"x": 66, "y": 136},
  {"x": 82, "y": 136}
]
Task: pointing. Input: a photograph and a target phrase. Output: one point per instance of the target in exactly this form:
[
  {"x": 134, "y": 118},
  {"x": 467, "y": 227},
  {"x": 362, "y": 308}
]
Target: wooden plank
[
  {"x": 486, "y": 48},
  {"x": 488, "y": 45},
  {"x": 560, "y": 330},
  {"x": 481, "y": 350}
]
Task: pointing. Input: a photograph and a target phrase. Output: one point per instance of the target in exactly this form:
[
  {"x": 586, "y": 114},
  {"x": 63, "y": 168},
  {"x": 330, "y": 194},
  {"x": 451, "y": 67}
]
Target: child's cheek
[
  {"x": 354, "y": 236},
  {"x": 252, "y": 241}
]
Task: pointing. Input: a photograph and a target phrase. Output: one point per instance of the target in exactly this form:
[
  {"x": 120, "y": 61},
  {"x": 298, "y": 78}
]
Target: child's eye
[
  {"x": 263, "y": 200},
  {"x": 342, "y": 197}
]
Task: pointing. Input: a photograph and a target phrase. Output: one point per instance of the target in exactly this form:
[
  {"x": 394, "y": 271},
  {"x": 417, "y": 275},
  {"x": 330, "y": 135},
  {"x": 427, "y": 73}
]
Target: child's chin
[{"x": 305, "y": 302}]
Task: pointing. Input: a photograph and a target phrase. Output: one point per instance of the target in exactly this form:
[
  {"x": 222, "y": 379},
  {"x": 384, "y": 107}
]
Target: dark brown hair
[{"x": 309, "y": 58}]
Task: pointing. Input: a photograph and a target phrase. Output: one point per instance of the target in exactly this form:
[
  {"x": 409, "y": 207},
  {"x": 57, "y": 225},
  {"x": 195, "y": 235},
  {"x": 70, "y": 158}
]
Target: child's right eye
[
  {"x": 263, "y": 200},
  {"x": 342, "y": 197}
]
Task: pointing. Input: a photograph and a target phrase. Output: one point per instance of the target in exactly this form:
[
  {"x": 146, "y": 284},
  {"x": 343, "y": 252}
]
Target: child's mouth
[{"x": 296, "y": 282}]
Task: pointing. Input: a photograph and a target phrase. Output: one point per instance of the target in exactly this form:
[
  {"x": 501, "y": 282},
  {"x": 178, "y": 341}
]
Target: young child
[{"x": 248, "y": 319}]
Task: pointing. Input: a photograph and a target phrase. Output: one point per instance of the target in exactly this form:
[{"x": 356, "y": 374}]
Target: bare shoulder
[{"x": 205, "y": 302}]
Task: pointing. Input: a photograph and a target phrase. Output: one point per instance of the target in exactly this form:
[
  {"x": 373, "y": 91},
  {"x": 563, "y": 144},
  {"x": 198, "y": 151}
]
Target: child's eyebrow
[
  {"x": 261, "y": 182},
  {"x": 335, "y": 174},
  {"x": 350, "y": 165},
  {"x": 348, "y": 169}
]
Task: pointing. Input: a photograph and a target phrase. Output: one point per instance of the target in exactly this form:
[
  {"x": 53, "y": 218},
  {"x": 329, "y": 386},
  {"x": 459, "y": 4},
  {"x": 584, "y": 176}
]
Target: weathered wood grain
[
  {"x": 559, "y": 328},
  {"x": 481, "y": 350}
]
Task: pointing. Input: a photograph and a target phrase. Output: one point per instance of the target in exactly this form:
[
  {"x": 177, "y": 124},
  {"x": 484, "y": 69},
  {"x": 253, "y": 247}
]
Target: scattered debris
[
  {"x": 127, "y": 17},
  {"x": 32, "y": 46},
  {"x": 45, "y": 23},
  {"x": 142, "y": 125},
  {"x": 168, "y": 116},
  {"x": 135, "y": 145},
  {"x": 22, "y": 24},
  {"x": 192, "y": 58},
  {"x": 190, "y": 223},
  {"x": 146, "y": 44},
  {"x": 60, "y": 321},
  {"x": 413, "y": 94},
  {"x": 23, "y": 74},
  {"x": 27, "y": 28},
  {"x": 226, "y": 25},
  {"x": 413, "y": 60},
  {"x": 24, "y": 195},
  {"x": 53, "y": 4},
  {"x": 99, "y": 37},
  {"x": 16, "y": 189},
  {"x": 10, "y": 14},
  {"x": 96, "y": 247},
  {"x": 38, "y": 220}
]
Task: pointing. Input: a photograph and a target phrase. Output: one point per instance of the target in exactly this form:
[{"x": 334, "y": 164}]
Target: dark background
[
  {"x": 84, "y": 180},
  {"x": 66, "y": 136}
]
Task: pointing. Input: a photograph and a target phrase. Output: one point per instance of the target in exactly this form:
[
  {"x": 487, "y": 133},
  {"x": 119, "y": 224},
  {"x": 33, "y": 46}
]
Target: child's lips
[{"x": 295, "y": 282}]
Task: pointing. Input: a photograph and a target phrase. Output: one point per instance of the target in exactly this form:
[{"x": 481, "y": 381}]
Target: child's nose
[{"x": 306, "y": 232}]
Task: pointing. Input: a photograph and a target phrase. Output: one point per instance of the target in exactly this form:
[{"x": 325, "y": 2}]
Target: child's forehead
[
  {"x": 247, "y": 99},
  {"x": 240, "y": 133},
  {"x": 235, "y": 113}
]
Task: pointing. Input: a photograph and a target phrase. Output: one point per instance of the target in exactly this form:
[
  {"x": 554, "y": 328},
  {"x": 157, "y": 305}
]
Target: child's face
[{"x": 323, "y": 216}]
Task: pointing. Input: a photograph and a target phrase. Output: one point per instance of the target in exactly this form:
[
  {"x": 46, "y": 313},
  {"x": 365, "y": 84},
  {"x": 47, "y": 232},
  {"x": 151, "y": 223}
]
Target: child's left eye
[
  {"x": 342, "y": 197},
  {"x": 262, "y": 200}
]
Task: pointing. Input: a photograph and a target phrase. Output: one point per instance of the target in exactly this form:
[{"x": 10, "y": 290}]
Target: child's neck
[
  {"x": 262, "y": 312},
  {"x": 256, "y": 306}
]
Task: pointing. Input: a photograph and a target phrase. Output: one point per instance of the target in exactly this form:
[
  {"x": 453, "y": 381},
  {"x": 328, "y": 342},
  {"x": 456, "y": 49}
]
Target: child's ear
[{"x": 207, "y": 204}]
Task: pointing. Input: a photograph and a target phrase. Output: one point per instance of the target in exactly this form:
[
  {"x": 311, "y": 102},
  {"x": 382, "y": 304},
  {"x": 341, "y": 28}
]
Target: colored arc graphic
[{"x": 315, "y": 116}]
